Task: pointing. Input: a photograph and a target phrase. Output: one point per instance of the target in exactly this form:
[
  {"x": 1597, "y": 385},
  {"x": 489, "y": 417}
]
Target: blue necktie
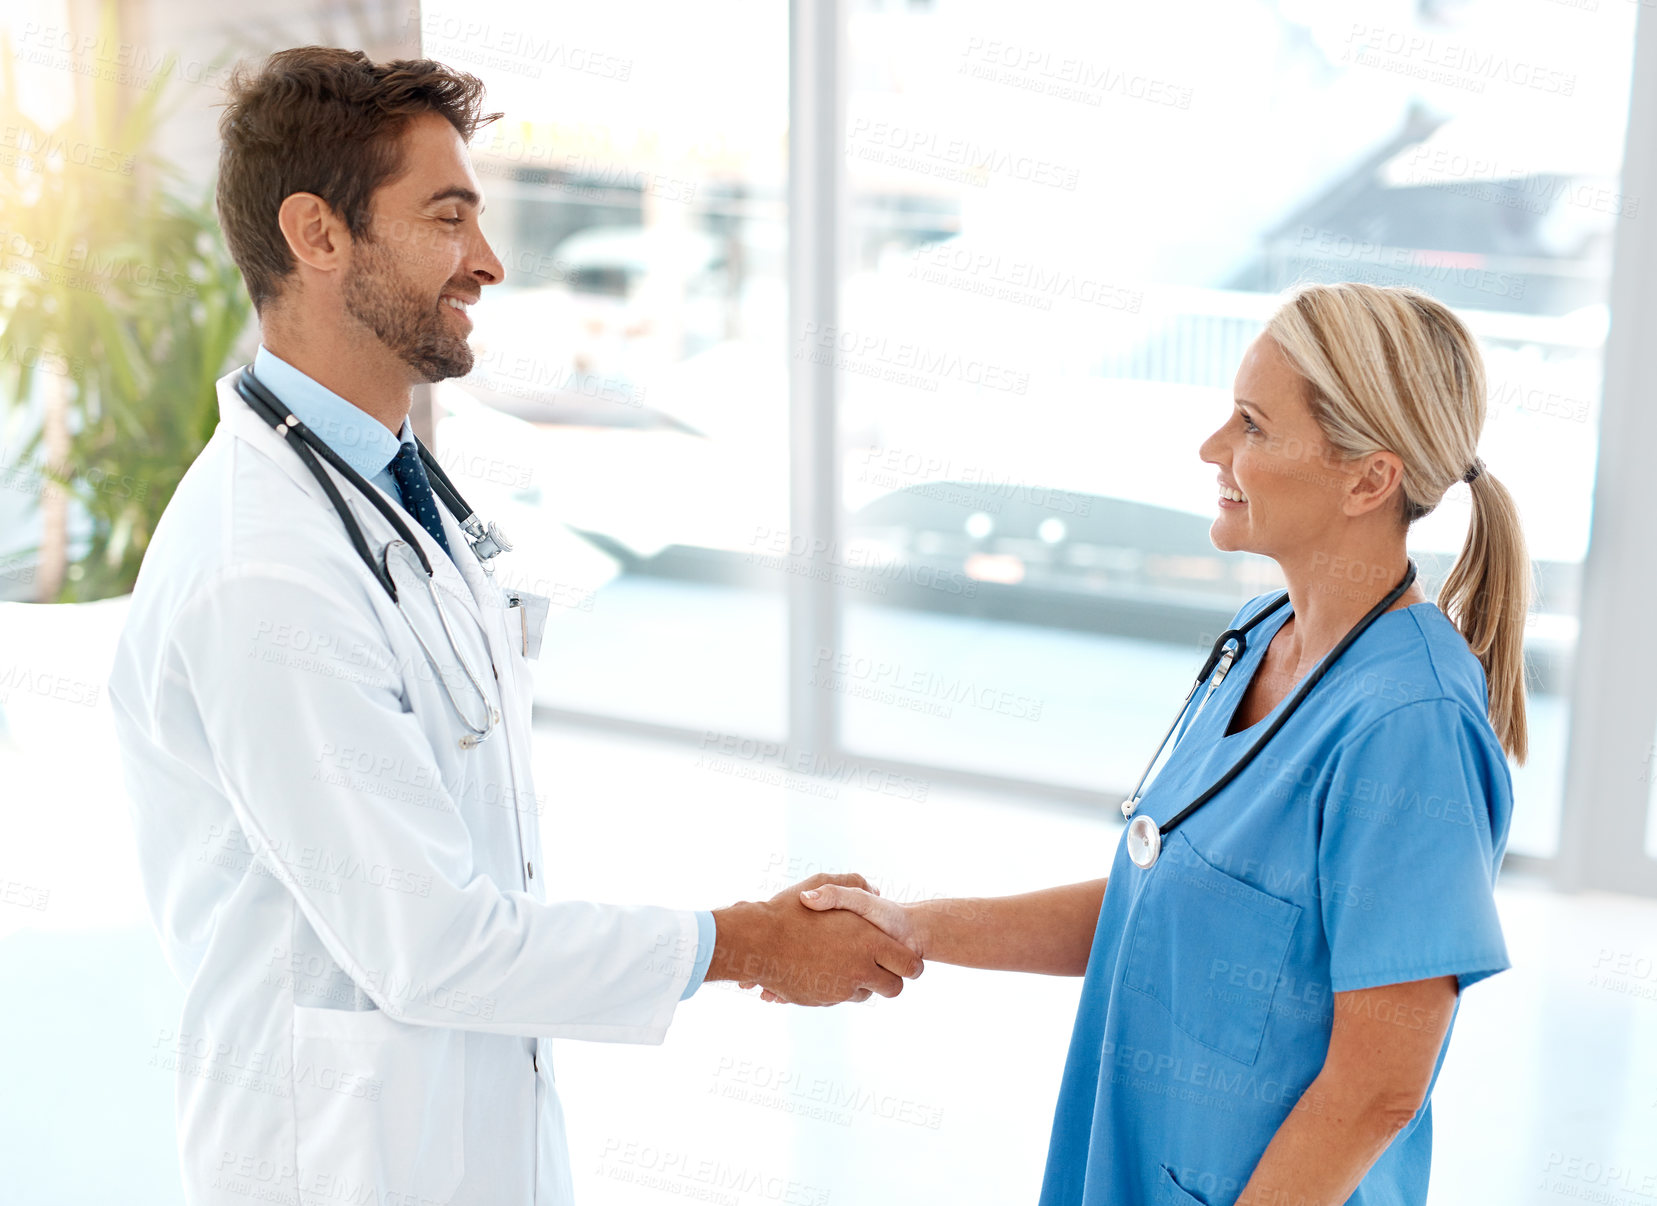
[{"x": 416, "y": 489}]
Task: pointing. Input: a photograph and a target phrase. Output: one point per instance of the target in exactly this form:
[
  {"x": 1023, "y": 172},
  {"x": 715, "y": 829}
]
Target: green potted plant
[{"x": 119, "y": 308}]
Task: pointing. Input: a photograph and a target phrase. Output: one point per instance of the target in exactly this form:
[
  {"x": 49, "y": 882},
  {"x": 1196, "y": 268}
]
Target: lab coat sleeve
[
  {"x": 282, "y": 668},
  {"x": 1414, "y": 822}
]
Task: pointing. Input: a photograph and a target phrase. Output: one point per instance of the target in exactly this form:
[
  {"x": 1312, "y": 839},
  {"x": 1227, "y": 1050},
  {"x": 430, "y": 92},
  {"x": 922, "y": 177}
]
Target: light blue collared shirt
[
  {"x": 367, "y": 445},
  {"x": 362, "y": 441},
  {"x": 704, "y": 951}
]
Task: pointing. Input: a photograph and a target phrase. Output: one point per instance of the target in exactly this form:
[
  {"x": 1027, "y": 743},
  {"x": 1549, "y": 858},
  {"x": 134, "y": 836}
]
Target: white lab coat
[{"x": 355, "y": 903}]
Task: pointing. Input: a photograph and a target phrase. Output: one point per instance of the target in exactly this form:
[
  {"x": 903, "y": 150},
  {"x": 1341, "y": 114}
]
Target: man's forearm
[{"x": 1050, "y": 931}]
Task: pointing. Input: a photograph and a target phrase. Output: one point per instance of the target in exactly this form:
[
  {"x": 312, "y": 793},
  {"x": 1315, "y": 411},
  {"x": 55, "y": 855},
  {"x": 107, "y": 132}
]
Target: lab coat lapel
[
  {"x": 246, "y": 425},
  {"x": 486, "y": 593}
]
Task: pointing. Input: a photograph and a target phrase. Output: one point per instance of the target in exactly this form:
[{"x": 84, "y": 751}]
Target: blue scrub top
[{"x": 1359, "y": 848}]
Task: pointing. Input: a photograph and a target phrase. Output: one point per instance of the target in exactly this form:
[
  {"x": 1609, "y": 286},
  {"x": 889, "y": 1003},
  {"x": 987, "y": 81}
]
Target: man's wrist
[{"x": 741, "y": 936}]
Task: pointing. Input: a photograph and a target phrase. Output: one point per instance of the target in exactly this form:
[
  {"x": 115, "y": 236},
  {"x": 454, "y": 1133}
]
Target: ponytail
[
  {"x": 1390, "y": 368},
  {"x": 1487, "y": 597}
]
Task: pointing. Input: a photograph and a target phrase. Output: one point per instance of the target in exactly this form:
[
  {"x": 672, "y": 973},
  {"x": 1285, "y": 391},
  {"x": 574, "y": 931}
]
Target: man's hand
[
  {"x": 897, "y": 920},
  {"x": 803, "y": 957}
]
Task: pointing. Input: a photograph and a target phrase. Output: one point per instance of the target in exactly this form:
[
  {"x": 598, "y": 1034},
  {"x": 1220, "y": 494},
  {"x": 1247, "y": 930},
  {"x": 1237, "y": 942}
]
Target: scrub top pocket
[
  {"x": 1171, "y": 1193},
  {"x": 1210, "y": 949}
]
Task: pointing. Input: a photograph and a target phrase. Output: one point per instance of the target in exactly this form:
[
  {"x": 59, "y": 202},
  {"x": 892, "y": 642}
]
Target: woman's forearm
[
  {"x": 1383, "y": 1047},
  {"x": 1325, "y": 1146},
  {"x": 1050, "y": 931}
]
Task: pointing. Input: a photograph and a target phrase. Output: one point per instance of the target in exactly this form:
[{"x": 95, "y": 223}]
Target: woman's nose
[{"x": 1212, "y": 449}]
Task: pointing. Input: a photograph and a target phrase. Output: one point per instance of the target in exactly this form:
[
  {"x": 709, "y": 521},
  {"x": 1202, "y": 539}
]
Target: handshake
[{"x": 827, "y": 939}]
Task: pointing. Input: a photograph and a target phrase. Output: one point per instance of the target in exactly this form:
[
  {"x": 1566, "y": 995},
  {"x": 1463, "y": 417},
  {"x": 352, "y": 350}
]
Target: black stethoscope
[
  {"x": 410, "y": 559},
  {"x": 1144, "y": 836}
]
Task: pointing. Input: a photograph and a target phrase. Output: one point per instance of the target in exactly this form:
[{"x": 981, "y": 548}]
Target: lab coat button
[{"x": 530, "y": 867}]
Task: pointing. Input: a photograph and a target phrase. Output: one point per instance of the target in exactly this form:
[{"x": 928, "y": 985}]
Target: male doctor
[{"x": 348, "y": 883}]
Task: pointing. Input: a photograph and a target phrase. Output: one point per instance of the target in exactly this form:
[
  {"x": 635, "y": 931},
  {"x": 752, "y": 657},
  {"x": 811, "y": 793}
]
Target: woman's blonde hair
[{"x": 1391, "y": 369}]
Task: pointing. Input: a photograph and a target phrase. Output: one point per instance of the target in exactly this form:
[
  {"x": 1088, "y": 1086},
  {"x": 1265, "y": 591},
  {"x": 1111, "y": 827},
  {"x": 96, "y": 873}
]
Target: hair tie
[{"x": 1478, "y": 468}]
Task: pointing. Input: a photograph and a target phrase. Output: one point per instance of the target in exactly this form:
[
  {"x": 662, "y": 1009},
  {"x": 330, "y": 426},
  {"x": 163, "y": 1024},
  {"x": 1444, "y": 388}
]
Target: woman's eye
[
  {"x": 1248, "y": 424},
  {"x": 454, "y": 221}
]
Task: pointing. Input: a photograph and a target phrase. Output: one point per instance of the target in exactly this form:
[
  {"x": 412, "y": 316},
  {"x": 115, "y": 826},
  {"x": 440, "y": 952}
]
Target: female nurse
[{"x": 1266, "y": 1006}]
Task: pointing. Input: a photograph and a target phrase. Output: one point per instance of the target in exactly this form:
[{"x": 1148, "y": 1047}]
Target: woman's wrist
[
  {"x": 1050, "y": 931},
  {"x": 931, "y": 927}
]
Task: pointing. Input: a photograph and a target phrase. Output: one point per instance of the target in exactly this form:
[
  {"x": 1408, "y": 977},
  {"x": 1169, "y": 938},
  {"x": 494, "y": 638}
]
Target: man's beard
[{"x": 409, "y": 324}]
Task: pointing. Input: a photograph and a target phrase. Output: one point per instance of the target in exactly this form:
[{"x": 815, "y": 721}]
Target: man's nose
[{"x": 486, "y": 268}]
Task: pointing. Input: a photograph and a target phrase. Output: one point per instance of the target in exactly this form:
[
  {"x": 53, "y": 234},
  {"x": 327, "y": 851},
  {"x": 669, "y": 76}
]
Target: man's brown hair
[{"x": 317, "y": 119}]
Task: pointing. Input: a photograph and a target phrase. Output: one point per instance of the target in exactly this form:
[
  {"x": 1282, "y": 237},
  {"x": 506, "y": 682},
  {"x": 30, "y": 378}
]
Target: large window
[
  {"x": 627, "y": 414},
  {"x": 1065, "y": 225},
  {"x": 1052, "y": 232}
]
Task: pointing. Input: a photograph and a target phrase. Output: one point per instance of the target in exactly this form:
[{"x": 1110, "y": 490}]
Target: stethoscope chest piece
[{"x": 1144, "y": 841}]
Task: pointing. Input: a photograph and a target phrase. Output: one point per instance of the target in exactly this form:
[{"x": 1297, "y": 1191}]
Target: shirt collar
[{"x": 361, "y": 440}]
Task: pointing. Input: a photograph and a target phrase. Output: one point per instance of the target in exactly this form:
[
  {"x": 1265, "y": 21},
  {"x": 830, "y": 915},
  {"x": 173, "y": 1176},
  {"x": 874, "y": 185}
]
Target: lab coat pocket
[
  {"x": 378, "y": 1104},
  {"x": 1210, "y": 948}
]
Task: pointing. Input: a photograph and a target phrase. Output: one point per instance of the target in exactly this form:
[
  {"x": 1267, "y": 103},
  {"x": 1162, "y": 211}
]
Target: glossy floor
[{"x": 943, "y": 1095}]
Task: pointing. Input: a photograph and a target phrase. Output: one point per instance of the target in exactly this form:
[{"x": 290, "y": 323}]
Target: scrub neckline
[{"x": 1288, "y": 610}]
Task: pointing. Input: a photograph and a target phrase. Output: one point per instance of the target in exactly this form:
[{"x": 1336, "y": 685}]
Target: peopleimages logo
[
  {"x": 37, "y": 148},
  {"x": 81, "y": 266},
  {"x": 1381, "y": 264},
  {"x": 1064, "y": 77},
  {"x": 985, "y": 273},
  {"x": 29, "y": 680},
  {"x": 818, "y": 774},
  {"x": 959, "y": 159},
  {"x": 913, "y": 688},
  {"x": 902, "y": 362},
  {"x": 1406, "y": 52},
  {"x": 966, "y": 484},
  {"x": 859, "y": 566}
]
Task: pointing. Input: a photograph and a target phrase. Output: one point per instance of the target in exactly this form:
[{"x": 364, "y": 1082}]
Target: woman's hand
[
  {"x": 898, "y": 920},
  {"x": 1049, "y": 932}
]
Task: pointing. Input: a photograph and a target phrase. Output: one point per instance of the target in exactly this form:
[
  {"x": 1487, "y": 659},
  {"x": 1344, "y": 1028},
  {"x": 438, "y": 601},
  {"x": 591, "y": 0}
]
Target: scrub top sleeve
[{"x": 1414, "y": 822}]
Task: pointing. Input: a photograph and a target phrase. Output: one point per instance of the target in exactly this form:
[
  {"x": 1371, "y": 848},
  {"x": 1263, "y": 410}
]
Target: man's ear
[
  {"x": 1380, "y": 476},
  {"x": 315, "y": 233}
]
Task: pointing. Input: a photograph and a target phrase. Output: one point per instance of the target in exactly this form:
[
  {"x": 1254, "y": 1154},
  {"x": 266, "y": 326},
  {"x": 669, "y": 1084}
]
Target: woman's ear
[{"x": 1380, "y": 475}]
